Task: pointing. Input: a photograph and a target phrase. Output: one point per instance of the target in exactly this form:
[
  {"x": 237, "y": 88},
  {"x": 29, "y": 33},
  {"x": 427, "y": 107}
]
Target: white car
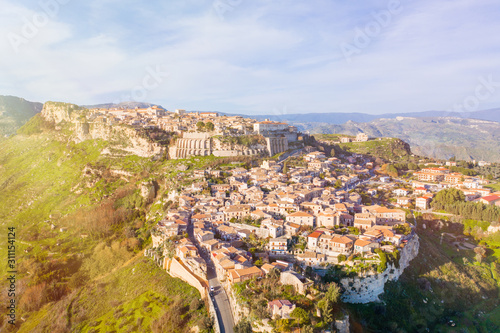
[{"x": 212, "y": 288}]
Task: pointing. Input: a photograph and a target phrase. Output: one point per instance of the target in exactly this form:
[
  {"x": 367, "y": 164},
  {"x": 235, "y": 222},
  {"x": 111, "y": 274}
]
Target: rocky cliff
[
  {"x": 58, "y": 112},
  {"x": 367, "y": 289},
  {"x": 123, "y": 139}
]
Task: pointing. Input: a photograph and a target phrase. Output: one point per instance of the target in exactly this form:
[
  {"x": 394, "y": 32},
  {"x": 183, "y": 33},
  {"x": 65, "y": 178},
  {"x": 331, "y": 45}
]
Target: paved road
[
  {"x": 219, "y": 296},
  {"x": 221, "y": 302}
]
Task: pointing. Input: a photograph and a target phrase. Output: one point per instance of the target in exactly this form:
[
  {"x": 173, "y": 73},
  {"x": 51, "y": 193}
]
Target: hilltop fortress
[
  {"x": 190, "y": 133},
  {"x": 207, "y": 133}
]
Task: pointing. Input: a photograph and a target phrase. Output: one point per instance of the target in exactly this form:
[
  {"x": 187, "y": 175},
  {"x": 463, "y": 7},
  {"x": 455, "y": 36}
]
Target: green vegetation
[
  {"x": 14, "y": 113},
  {"x": 80, "y": 230},
  {"x": 244, "y": 140},
  {"x": 138, "y": 296},
  {"x": 255, "y": 294},
  {"x": 389, "y": 149},
  {"x": 442, "y": 284},
  {"x": 452, "y": 200}
]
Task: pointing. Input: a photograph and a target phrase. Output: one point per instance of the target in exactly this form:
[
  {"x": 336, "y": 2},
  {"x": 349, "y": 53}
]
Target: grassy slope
[
  {"x": 386, "y": 148},
  {"x": 127, "y": 300},
  {"x": 37, "y": 174},
  {"x": 14, "y": 112}
]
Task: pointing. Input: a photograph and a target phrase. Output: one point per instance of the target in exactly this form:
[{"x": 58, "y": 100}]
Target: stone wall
[
  {"x": 175, "y": 268},
  {"x": 342, "y": 325},
  {"x": 213, "y": 314},
  {"x": 290, "y": 278},
  {"x": 276, "y": 145},
  {"x": 201, "y": 144},
  {"x": 365, "y": 289}
]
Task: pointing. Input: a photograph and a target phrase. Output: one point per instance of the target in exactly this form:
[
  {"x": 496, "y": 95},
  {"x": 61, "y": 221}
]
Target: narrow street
[{"x": 219, "y": 296}]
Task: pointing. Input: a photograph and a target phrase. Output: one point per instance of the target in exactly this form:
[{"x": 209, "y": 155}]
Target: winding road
[{"x": 219, "y": 296}]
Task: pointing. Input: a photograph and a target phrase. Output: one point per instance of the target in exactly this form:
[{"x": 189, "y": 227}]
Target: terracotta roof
[
  {"x": 342, "y": 240},
  {"x": 360, "y": 242},
  {"x": 490, "y": 198},
  {"x": 303, "y": 214},
  {"x": 315, "y": 234}
]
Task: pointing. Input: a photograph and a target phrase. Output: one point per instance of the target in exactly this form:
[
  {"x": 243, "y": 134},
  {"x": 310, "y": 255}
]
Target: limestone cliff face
[
  {"x": 58, "y": 112},
  {"x": 121, "y": 137},
  {"x": 124, "y": 138},
  {"x": 368, "y": 288}
]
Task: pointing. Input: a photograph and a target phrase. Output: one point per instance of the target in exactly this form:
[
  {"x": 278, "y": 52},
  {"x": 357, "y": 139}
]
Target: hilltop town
[
  {"x": 202, "y": 133},
  {"x": 273, "y": 206}
]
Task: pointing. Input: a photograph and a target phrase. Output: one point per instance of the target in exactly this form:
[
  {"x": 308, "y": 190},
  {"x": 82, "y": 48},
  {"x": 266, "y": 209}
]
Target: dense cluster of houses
[
  {"x": 304, "y": 218},
  {"x": 180, "y": 121},
  {"x": 433, "y": 179},
  {"x": 281, "y": 207}
]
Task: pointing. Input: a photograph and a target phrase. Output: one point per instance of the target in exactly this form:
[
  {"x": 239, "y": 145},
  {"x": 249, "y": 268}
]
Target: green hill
[
  {"x": 389, "y": 149},
  {"x": 80, "y": 230},
  {"x": 15, "y": 112}
]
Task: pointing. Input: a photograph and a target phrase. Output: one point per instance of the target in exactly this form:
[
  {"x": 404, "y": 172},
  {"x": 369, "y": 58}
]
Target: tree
[
  {"x": 300, "y": 315},
  {"x": 383, "y": 260},
  {"x": 308, "y": 329},
  {"x": 285, "y": 167},
  {"x": 210, "y": 126},
  {"x": 412, "y": 166},
  {"x": 329, "y": 301},
  {"x": 200, "y": 126},
  {"x": 403, "y": 229},
  {"x": 333, "y": 293},
  {"x": 274, "y": 273},
  {"x": 391, "y": 170},
  {"x": 282, "y": 325},
  {"x": 243, "y": 327},
  {"x": 338, "y": 184},
  {"x": 353, "y": 230}
]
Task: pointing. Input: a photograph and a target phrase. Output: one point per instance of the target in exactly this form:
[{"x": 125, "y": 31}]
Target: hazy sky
[{"x": 255, "y": 56}]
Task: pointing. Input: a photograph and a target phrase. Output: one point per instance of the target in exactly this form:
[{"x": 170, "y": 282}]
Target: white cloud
[{"x": 264, "y": 55}]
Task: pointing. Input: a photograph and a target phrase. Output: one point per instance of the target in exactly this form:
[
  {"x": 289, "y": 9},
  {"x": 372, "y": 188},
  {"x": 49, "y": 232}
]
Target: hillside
[
  {"x": 81, "y": 225},
  {"x": 15, "y": 112},
  {"x": 466, "y": 139},
  {"x": 389, "y": 149},
  {"x": 445, "y": 290}
]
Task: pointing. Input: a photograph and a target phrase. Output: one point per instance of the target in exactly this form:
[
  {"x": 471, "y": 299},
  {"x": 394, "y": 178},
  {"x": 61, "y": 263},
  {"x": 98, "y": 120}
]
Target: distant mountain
[
  {"x": 128, "y": 105},
  {"x": 15, "y": 112},
  {"x": 438, "y": 137},
  {"x": 341, "y": 118}
]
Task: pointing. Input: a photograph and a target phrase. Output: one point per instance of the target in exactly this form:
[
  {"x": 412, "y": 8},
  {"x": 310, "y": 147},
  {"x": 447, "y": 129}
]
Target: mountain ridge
[{"x": 15, "y": 112}]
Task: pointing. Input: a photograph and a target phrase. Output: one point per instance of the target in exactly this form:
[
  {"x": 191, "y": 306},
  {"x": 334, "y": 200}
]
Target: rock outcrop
[
  {"x": 123, "y": 138},
  {"x": 58, "y": 112},
  {"x": 367, "y": 289}
]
